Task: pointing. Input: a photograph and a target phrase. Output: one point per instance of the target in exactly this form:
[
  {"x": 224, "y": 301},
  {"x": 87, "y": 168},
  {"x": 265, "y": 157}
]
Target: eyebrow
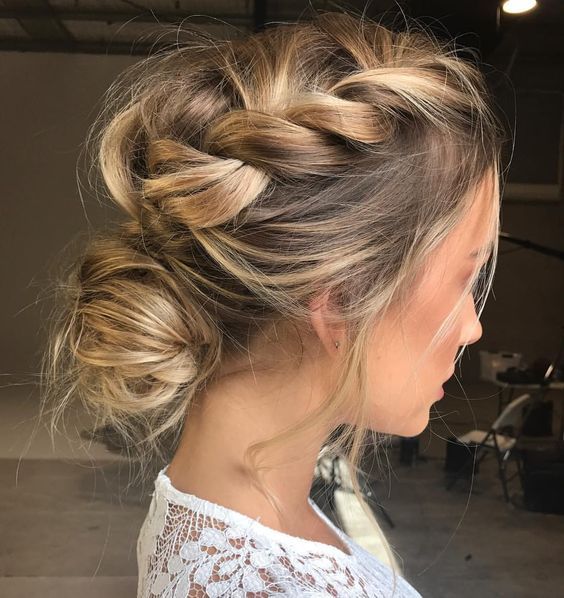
[{"x": 475, "y": 254}]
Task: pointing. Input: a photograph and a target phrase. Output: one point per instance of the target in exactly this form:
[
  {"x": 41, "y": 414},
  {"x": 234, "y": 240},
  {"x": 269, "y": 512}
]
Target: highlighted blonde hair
[{"x": 330, "y": 155}]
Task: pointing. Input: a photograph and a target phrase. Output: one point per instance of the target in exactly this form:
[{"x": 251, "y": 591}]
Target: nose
[{"x": 471, "y": 328}]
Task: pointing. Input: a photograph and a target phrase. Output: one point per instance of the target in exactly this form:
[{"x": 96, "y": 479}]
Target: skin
[{"x": 246, "y": 406}]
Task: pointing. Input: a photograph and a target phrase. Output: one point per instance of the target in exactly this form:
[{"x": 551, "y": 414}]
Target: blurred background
[{"x": 67, "y": 522}]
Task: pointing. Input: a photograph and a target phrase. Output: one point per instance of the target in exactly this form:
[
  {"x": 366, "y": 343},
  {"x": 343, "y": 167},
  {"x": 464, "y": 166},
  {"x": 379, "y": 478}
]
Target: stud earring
[{"x": 337, "y": 344}]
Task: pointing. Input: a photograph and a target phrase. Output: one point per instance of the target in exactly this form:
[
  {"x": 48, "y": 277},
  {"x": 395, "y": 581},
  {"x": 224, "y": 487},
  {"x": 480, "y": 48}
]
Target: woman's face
[{"x": 402, "y": 399}]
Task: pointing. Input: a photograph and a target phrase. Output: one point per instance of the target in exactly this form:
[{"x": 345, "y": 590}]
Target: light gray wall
[{"x": 46, "y": 105}]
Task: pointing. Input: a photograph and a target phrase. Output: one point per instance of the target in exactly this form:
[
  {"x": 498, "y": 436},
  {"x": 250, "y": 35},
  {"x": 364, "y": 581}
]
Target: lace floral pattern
[{"x": 190, "y": 547}]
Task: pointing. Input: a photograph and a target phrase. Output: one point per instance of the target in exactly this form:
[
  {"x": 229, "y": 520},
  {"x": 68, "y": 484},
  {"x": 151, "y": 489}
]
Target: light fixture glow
[{"x": 518, "y": 6}]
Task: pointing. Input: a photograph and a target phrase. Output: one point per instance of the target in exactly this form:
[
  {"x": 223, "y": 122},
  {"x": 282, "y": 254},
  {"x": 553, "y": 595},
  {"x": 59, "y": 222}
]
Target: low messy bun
[
  {"x": 136, "y": 334},
  {"x": 131, "y": 344}
]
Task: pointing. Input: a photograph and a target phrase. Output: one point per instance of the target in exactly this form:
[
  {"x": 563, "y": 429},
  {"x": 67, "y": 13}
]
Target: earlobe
[{"x": 321, "y": 317}]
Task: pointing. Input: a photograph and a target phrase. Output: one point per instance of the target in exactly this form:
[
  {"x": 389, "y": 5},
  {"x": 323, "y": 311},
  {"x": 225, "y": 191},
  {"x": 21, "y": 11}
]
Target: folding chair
[
  {"x": 500, "y": 438},
  {"x": 329, "y": 477}
]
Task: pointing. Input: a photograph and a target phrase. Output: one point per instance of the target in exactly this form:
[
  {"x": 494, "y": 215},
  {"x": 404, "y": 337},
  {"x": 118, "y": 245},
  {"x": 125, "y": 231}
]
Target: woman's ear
[{"x": 325, "y": 323}]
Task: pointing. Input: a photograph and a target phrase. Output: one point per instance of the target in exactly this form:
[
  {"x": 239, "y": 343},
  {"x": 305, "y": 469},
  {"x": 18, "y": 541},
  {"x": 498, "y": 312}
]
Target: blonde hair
[{"x": 330, "y": 155}]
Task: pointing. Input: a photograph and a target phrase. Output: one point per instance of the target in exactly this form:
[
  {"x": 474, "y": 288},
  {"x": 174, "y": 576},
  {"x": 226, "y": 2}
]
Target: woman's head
[{"x": 316, "y": 179}]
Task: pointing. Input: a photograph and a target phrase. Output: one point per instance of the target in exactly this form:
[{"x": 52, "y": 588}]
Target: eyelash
[{"x": 480, "y": 278}]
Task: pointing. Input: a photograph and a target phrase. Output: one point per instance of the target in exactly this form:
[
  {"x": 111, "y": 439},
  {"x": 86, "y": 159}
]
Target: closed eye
[{"x": 480, "y": 279}]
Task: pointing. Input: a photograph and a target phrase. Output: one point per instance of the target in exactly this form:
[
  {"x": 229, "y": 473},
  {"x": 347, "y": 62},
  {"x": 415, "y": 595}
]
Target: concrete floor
[{"x": 69, "y": 518}]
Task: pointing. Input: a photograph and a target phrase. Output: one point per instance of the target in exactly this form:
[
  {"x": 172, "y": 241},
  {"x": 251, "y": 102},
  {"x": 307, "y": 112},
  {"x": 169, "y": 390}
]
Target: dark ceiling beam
[
  {"x": 75, "y": 47},
  {"x": 37, "y": 14},
  {"x": 133, "y": 47},
  {"x": 49, "y": 27},
  {"x": 259, "y": 14}
]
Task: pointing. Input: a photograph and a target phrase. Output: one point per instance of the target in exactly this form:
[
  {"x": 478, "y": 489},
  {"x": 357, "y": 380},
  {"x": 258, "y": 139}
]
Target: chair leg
[
  {"x": 501, "y": 463},
  {"x": 520, "y": 469},
  {"x": 386, "y": 516},
  {"x": 368, "y": 492}
]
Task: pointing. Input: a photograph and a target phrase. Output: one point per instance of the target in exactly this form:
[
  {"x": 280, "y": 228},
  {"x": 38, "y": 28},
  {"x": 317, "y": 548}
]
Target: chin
[
  {"x": 412, "y": 426},
  {"x": 407, "y": 424}
]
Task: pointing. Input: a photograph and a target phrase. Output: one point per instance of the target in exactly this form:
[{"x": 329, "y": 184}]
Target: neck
[{"x": 231, "y": 416}]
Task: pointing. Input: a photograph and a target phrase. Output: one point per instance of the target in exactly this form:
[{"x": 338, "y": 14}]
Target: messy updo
[{"x": 331, "y": 155}]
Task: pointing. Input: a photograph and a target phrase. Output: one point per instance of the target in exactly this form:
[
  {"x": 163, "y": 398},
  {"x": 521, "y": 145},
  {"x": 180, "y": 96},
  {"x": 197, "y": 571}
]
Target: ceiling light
[{"x": 518, "y": 6}]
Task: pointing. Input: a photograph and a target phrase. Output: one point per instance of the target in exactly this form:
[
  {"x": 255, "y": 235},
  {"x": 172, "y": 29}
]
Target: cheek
[
  {"x": 394, "y": 396},
  {"x": 387, "y": 361},
  {"x": 400, "y": 397},
  {"x": 423, "y": 324}
]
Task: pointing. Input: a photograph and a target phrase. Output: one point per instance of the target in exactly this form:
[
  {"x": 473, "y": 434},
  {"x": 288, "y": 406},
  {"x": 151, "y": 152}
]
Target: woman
[{"x": 309, "y": 211}]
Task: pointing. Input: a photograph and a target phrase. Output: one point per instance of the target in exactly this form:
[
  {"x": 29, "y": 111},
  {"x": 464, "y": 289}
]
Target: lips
[{"x": 451, "y": 375}]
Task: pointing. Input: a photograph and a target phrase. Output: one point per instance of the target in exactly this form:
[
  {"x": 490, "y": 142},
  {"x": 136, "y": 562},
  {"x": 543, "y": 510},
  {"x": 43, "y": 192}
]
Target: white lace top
[{"x": 191, "y": 547}]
